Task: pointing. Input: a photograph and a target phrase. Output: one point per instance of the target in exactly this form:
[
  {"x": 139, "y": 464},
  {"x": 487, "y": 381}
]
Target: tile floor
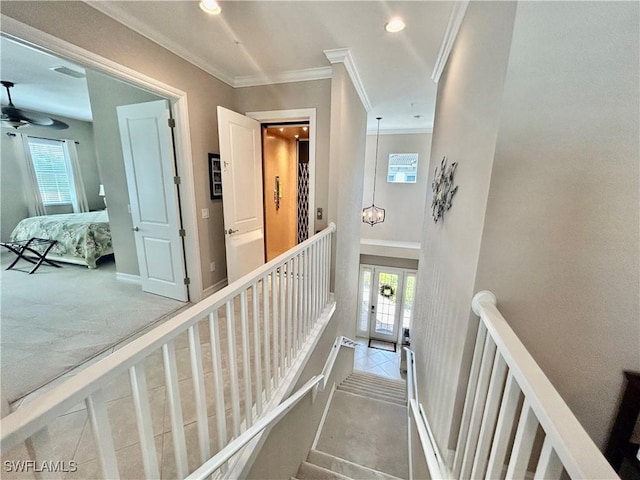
[{"x": 376, "y": 361}]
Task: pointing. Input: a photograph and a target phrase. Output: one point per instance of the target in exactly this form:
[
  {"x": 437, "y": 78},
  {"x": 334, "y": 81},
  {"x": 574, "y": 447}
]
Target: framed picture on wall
[{"x": 215, "y": 176}]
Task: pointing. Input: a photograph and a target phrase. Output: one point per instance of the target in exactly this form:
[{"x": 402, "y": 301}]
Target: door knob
[
  {"x": 230, "y": 231},
  {"x": 135, "y": 229}
]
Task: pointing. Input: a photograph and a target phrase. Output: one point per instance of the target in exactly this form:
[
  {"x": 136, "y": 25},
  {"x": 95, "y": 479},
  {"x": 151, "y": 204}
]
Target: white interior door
[
  {"x": 241, "y": 158},
  {"x": 147, "y": 146}
]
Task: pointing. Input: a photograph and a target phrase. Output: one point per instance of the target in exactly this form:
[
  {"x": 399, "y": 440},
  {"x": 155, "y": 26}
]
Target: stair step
[
  {"x": 373, "y": 396},
  {"x": 309, "y": 471},
  {"x": 346, "y": 468},
  {"x": 395, "y": 390},
  {"x": 375, "y": 391},
  {"x": 363, "y": 376}
]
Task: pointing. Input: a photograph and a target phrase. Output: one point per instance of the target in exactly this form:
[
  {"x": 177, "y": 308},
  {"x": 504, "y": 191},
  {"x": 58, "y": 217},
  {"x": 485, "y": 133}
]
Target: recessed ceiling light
[
  {"x": 210, "y": 6},
  {"x": 296, "y": 135},
  {"x": 282, "y": 129},
  {"x": 305, "y": 128},
  {"x": 394, "y": 25}
]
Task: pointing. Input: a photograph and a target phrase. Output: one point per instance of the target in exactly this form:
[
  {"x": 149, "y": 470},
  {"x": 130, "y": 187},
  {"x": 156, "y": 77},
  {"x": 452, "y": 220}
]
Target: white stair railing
[
  {"x": 507, "y": 390},
  {"x": 279, "y": 307},
  {"x": 319, "y": 382},
  {"x": 506, "y": 383}
]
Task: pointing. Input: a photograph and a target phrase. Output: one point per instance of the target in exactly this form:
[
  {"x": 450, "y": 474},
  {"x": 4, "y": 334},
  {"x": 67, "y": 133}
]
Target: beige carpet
[
  {"x": 368, "y": 432},
  {"x": 58, "y": 318}
]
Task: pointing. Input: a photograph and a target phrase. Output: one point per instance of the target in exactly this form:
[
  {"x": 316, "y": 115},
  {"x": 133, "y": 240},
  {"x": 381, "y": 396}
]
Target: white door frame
[
  {"x": 298, "y": 115},
  {"x": 23, "y": 33}
]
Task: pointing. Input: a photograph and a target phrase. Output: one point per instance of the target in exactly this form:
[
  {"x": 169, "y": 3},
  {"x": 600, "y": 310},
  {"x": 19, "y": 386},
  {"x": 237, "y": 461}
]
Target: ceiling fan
[{"x": 17, "y": 117}]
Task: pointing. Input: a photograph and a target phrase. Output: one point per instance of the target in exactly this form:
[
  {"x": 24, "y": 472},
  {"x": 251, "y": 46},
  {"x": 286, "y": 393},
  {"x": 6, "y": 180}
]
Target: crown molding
[
  {"x": 343, "y": 55},
  {"x": 402, "y": 131},
  {"x": 111, "y": 10},
  {"x": 449, "y": 38},
  {"x": 305, "y": 75}
]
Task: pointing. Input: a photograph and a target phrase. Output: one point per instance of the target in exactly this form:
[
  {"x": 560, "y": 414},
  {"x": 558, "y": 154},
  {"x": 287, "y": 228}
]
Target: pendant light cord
[{"x": 375, "y": 169}]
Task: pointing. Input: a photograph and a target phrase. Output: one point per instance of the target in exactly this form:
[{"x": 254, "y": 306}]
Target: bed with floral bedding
[{"x": 82, "y": 237}]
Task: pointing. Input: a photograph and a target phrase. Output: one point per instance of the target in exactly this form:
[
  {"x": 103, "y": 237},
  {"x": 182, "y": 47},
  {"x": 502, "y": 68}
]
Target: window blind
[{"x": 52, "y": 171}]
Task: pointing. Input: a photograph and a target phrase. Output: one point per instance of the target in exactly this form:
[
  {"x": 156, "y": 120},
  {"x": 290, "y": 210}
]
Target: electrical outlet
[
  {"x": 212, "y": 266},
  {"x": 205, "y": 213}
]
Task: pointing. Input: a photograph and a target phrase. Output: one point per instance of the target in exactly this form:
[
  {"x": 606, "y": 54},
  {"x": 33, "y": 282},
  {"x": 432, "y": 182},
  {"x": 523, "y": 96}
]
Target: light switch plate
[
  {"x": 205, "y": 213},
  {"x": 319, "y": 213}
]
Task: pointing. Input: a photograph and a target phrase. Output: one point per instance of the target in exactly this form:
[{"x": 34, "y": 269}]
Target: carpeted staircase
[{"x": 364, "y": 435}]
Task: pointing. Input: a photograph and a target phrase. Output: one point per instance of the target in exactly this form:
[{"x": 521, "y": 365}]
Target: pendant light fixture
[{"x": 373, "y": 214}]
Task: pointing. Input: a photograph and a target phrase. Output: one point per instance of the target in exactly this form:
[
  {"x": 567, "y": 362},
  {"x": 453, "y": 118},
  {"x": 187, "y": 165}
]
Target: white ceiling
[
  {"x": 258, "y": 42},
  {"x": 39, "y": 88}
]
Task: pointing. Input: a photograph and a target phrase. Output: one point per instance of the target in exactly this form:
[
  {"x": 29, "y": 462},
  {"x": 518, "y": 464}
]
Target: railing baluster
[
  {"x": 305, "y": 294},
  {"x": 549, "y": 465},
  {"x": 479, "y": 403},
  {"x": 489, "y": 416},
  {"x": 506, "y": 417},
  {"x": 218, "y": 379},
  {"x": 283, "y": 321},
  {"x": 257, "y": 350},
  {"x": 325, "y": 263},
  {"x": 314, "y": 288},
  {"x": 246, "y": 362},
  {"x": 295, "y": 313},
  {"x": 276, "y": 334},
  {"x": 289, "y": 312},
  {"x": 307, "y": 282},
  {"x": 267, "y": 339},
  {"x": 468, "y": 401},
  {"x": 143, "y": 416},
  {"x": 101, "y": 429},
  {"x": 521, "y": 451},
  {"x": 175, "y": 408},
  {"x": 200, "y": 396},
  {"x": 233, "y": 368}
]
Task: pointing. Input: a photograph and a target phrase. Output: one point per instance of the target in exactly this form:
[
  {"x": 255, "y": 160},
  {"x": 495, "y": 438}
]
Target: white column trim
[
  {"x": 449, "y": 38},
  {"x": 343, "y": 55}
]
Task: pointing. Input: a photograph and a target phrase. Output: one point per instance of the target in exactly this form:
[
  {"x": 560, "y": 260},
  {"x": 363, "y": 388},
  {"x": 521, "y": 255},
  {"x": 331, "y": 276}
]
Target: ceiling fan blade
[{"x": 33, "y": 118}]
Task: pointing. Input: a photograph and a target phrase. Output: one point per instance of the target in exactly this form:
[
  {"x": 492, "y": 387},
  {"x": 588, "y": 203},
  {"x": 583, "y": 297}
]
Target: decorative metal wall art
[{"x": 443, "y": 189}]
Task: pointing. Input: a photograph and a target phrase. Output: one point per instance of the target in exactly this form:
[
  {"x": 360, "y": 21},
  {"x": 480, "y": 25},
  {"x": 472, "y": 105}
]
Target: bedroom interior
[{"x": 58, "y": 318}]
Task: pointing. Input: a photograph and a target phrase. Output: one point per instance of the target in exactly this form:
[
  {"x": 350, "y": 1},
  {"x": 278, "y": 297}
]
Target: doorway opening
[
  {"x": 285, "y": 167},
  {"x": 386, "y": 300}
]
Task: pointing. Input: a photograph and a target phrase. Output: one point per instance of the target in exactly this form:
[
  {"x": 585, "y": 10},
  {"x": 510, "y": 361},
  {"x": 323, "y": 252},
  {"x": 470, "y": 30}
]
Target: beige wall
[
  {"x": 105, "y": 95},
  {"x": 404, "y": 203},
  {"x": 347, "y": 149},
  {"x": 280, "y": 159},
  {"x": 560, "y": 246},
  {"x": 466, "y": 123},
  {"x": 78, "y": 23},
  {"x": 15, "y": 184},
  {"x": 287, "y": 96}
]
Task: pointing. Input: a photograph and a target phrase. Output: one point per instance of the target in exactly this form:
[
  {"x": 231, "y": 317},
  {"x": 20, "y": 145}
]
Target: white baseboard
[
  {"x": 127, "y": 277},
  {"x": 215, "y": 287}
]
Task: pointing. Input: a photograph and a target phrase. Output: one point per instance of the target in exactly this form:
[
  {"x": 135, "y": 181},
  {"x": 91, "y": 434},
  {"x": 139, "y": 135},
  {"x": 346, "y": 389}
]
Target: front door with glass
[{"x": 386, "y": 302}]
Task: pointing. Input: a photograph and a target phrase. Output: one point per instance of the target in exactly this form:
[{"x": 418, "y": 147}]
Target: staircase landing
[{"x": 364, "y": 435}]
